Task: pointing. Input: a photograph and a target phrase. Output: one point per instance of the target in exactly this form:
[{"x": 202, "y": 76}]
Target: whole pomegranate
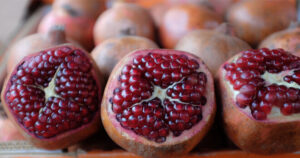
[
  {"x": 288, "y": 39},
  {"x": 87, "y": 8},
  {"x": 214, "y": 47},
  {"x": 77, "y": 16},
  {"x": 34, "y": 43},
  {"x": 183, "y": 18},
  {"x": 124, "y": 19},
  {"x": 157, "y": 12},
  {"x": 8, "y": 130},
  {"x": 256, "y": 19},
  {"x": 109, "y": 52},
  {"x": 158, "y": 103},
  {"x": 261, "y": 100},
  {"x": 54, "y": 95}
]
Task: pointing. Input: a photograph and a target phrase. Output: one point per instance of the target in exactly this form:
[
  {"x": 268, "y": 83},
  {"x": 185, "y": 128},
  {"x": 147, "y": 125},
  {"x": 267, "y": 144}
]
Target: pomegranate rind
[
  {"x": 257, "y": 136},
  {"x": 288, "y": 39},
  {"x": 67, "y": 138},
  {"x": 141, "y": 145}
]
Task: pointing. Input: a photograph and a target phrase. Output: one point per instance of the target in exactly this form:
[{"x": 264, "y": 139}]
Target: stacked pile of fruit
[{"x": 159, "y": 102}]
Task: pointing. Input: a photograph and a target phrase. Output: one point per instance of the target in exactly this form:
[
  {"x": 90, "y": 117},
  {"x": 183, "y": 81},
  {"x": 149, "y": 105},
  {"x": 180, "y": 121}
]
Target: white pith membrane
[
  {"x": 270, "y": 78},
  {"x": 51, "y": 96},
  {"x": 161, "y": 93}
]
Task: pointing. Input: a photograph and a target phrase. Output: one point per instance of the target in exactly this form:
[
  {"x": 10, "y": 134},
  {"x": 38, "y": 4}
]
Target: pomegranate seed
[
  {"x": 69, "y": 71},
  {"x": 245, "y": 75}
]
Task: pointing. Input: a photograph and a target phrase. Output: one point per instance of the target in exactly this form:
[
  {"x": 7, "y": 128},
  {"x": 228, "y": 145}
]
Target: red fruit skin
[
  {"x": 79, "y": 29},
  {"x": 143, "y": 146},
  {"x": 181, "y": 19},
  {"x": 261, "y": 137},
  {"x": 69, "y": 137}
]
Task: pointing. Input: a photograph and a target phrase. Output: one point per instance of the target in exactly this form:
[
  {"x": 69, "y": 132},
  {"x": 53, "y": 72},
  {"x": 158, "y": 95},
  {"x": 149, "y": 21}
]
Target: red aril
[
  {"x": 260, "y": 96},
  {"x": 158, "y": 103},
  {"x": 54, "y": 95}
]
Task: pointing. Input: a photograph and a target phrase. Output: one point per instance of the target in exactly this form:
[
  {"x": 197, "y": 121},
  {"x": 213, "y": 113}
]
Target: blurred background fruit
[
  {"x": 109, "y": 52},
  {"x": 254, "y": 20},
  {"x": 214, "y": 47},
  {"x": 180, "y": 19},
  {"x": 124, "y": 19}
]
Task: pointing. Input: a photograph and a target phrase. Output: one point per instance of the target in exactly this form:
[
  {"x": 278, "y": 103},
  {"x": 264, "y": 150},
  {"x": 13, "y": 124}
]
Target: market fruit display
[
  {"x": 183, "y": 18},
  {"x": 256, "y": 19},
  {"x": 54, "y": 96},
  {"x": 168, "y": 68},
  {"x": 214, "y": 47},
  {"x": 261, "y": 103},
  {"x": 124, "y": 19},
  {"x": 288, "y": 39},
  {"x": 158, "y": 102},
  {"x": 109, "y": 52}
]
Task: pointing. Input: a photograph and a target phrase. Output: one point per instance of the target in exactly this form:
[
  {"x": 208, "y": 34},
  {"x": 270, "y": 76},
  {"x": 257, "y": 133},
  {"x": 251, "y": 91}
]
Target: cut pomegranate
[
  {"x": 261, "y": 94},
  {"x": 158, "y": 102},
  {"x": 54, "y": 96}
]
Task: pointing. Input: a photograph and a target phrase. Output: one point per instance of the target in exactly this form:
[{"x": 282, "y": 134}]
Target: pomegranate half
[
  {"x": 53, "y": 96},
  {"x": 158, "y": 102},
  {"x": 261, "y": 100}
]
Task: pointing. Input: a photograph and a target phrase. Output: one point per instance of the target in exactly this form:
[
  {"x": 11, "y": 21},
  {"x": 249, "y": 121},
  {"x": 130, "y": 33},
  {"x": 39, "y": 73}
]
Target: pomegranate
[
  {"x": 79, "y": 23},
  {"x": 53, "y": 96},
  {"x": 8, "y": 130},
  {"x": 108, "y": 53},
  {"x": 34, "y": 43},
  {"x": 261, "y": 100},
  {"x": 221, "y": 6},
  {"x": 256, "y": 19},
  {"x": 288, "y": 39},
  {"x": 88, "y": 8},
  {"x": 157, "y": 12},
  {"x": 158, "y": 103},
  {"x": 124, "y": 19},
  {"x": 183, "y": 18},
  {"x": 214, "y": 47}
]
